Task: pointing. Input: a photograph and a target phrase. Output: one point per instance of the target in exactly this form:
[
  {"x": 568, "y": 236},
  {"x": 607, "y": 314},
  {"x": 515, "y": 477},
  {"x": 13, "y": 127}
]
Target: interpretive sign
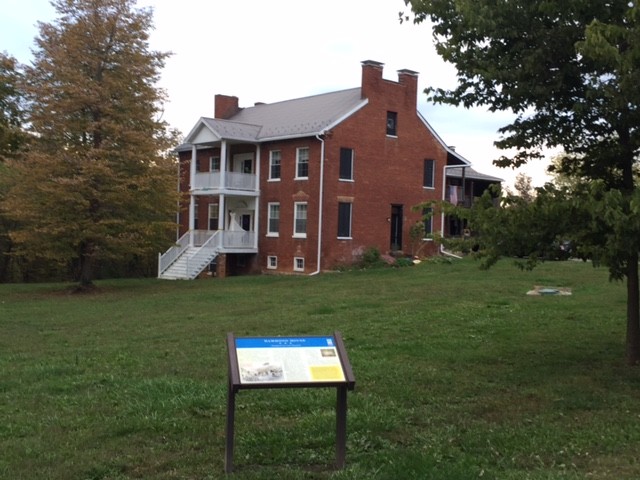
[{"x": 289, "y": 362}]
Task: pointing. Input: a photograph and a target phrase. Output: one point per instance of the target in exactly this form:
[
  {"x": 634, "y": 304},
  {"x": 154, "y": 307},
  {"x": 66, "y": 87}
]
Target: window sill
[
  {"x": 273, "y": 235},
  {"x": 348, "y": 180},
  {"x": 428, "y": 188},
  {"x": 299, "y": 235},
  {"x": 301, "y": 178},
  {"x": 345, "y": 238},
  {"x": 273, "y": 179}
]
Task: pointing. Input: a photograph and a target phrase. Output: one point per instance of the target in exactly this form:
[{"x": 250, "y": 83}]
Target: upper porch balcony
[{"x": 227, "y": 182}]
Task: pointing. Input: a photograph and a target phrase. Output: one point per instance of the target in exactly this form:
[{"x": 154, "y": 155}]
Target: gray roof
[
  {"x": 302, "y": 116},
  {"x": 232, "y": 130},
  {"x": 471, "y": 174}
]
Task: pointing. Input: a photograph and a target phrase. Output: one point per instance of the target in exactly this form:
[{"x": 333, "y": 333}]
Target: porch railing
[
  {"x": 207, "y": 242},
  {"x": 205, "y": 254},
  {"x": 238, "y": 239},
  {"x": 167, "y": 258},
  {"x": 232, "y": 181}
]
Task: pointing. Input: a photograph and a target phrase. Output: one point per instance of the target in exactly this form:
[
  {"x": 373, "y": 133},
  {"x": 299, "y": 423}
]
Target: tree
[
  {"x": 569, "y": 71},
  {"x": 12, "y": 136},
  {"x": 523, "y": 187},
  {"x": 97, "y": 183},
  {"x": 12, "y": 139}
]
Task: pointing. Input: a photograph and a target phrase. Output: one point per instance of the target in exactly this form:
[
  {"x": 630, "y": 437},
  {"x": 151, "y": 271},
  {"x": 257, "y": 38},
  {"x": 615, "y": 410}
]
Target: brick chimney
[
  {"x": 371, "y": 77},
  {"x": 409, "y": 79},
  {"x": 226, "y": 106}
]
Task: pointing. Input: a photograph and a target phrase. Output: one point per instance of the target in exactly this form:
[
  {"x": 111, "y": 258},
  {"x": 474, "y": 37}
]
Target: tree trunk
[
  {"x": 86, "y": 266},
  {"x": 633, "y": 311}
]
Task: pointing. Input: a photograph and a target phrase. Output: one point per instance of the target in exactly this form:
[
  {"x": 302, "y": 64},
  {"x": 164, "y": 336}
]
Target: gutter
[{"x": 320, "y": 203}]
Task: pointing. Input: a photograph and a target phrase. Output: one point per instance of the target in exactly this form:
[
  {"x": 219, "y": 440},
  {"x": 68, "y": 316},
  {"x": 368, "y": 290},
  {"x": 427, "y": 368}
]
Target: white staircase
[
  {"x": 188, "y": 265},
  {"x": 184, "y": 261}
]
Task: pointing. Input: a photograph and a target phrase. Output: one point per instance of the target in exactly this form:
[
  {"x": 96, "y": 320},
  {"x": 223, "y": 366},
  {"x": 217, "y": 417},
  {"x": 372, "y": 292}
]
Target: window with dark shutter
[
  {"x": 346, "y": 164},
  {"x": 392, "y": 124},
  {"x": 344, "y": 220},
  {"x": 429, "y": 174},
  {"x": 428, "y": 220}
]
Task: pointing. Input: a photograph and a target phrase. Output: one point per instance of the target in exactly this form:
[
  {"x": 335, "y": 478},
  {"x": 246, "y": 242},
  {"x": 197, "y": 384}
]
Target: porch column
[
  {"x": 192, "y": 198},
  {"x": 256, "y": 222},
  {"x": 221, "y": 215},
  {"x": 223, "y": 165}
]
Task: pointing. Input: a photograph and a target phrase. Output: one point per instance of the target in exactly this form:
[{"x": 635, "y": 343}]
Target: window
[
  {"x": 346, "y": 164},
  {"x": 214, "y": 209},
  {"x": 302, "y": 163},
  {"x": 428, "y": 221},
  {"x": 214, "y": 164},
  {"x": 247, "y": 165},
  {"x": 429, "y": 174},
  {"x": 344, "y": 220},
  {"x": 298, "y": 264},
  {"x": 196, "y": 209},
  {"x": 273, "y": 223},
  {"x": 272, "y": 262},
  {"x": 274, "y": 164},
  {"x": 300, "y": 220},
  {"x": 392, "y": 124}
]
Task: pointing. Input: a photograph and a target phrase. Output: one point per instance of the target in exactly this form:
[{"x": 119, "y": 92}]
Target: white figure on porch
[{"x": 233, "y": 223}]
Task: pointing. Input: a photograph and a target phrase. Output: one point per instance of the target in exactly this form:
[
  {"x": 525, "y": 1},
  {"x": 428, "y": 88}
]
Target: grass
[{"x": 459, "y": 375}]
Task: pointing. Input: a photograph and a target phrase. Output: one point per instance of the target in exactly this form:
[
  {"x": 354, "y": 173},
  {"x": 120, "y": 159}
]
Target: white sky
[{"x": 273, "y": 50}]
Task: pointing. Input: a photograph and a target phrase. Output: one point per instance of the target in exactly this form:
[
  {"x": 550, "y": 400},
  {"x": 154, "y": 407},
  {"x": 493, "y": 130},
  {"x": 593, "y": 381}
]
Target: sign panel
[{"x": 272, "y": 360}]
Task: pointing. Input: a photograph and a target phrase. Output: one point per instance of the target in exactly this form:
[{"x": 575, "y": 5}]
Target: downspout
[
  {"x": 179, "y": 204},
  {"x": 320, "y": 202},
  {"x": 444, "y": 198}
]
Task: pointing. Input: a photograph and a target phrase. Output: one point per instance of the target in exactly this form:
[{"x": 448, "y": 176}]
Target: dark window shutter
[
  {"x": 344, "y": 219},
  {"x": 346, "y": 163},
  {"x": 429, "y": 167}
]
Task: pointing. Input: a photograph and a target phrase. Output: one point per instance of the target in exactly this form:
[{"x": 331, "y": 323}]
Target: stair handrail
[
  {"x": 206, "y": 252},
  {"x": 167, "y": 258}
]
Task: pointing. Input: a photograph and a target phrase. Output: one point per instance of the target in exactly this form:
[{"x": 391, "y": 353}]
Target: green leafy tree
[
  {"x": 97, "y": 184},
  {"x": 12, "y": 135},
  {"x": 569, "y": 71},
  {"x": 523, "y": 187},
  {"x": 12, "y": 139}
]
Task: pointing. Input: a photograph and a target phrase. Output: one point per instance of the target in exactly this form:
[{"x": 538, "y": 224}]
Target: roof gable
[
  {"x": 201, "y": 133},
  {"x": 209, "y": 130}
]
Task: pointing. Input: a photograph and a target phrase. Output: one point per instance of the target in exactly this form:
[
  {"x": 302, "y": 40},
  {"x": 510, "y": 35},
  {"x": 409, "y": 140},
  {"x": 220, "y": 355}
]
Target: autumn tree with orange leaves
[{"x": 97, "y": 184}]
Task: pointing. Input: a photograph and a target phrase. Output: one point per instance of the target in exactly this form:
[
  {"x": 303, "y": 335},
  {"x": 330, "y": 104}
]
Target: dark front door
[
  {"x": 245, "y": 221},
  {"x": 396, "y": 227}
]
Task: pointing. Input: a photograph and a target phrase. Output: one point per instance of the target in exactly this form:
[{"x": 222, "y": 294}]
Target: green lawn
[{"x": 459, "y": 375}]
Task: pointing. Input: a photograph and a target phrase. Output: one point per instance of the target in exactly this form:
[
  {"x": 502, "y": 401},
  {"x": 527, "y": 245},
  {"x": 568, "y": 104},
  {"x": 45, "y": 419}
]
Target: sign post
[{"x": 289, "y": 362}]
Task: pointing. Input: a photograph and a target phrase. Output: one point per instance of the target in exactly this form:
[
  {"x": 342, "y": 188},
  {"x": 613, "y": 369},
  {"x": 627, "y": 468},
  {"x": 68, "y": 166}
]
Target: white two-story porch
[{"x": 223, "y": 181}]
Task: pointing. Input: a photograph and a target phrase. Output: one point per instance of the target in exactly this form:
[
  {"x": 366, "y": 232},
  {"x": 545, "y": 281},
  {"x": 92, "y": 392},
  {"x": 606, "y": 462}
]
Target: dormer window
[{"x": 392, "y": 124}]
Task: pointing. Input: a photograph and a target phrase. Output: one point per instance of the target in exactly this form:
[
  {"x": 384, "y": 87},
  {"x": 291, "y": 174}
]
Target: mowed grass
[{"x": 459, "y": 375}]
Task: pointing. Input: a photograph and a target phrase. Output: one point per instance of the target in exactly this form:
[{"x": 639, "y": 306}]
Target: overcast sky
[{"x": 268, "y": 51}]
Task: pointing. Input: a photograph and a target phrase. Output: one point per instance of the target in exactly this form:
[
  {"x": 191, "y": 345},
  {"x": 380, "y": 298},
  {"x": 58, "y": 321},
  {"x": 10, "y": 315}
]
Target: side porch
[{"x": 197, "y": 250}]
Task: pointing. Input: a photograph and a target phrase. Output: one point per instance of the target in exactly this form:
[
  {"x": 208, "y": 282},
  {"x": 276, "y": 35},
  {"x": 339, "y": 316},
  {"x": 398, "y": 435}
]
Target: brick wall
[{"x": 388, "y": 171}]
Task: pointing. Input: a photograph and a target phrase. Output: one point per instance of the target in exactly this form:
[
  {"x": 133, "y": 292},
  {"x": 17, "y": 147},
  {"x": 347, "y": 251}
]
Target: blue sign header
[{"x": 284, "y": 342}]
